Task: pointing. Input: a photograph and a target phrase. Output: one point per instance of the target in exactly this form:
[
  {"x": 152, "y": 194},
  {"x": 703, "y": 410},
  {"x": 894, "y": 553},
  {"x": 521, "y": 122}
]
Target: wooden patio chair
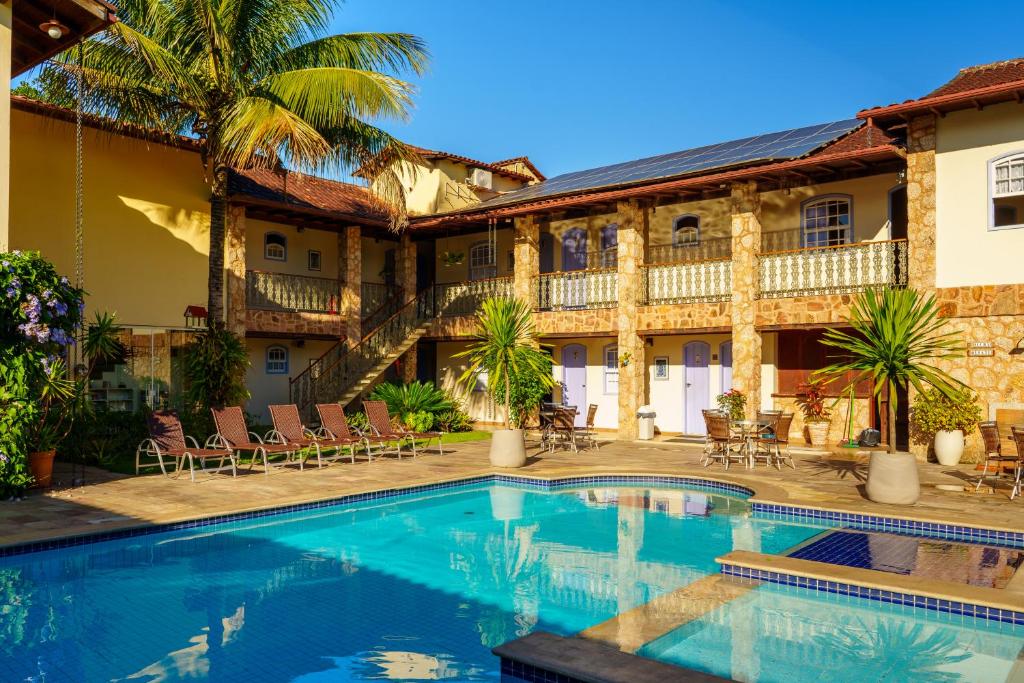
[
  {"x": 380, "y": 425},
  {"x": 233, "y": 434},
  {"x": 775, "y": 439},
  {"x": 168, "y": 440},
  {"x": 288, "y": 428},
  {"x": 334, "y": 425},
  {"x": 724, "y": 444},
  {"x": 993, "y": 451},
  {"x": 1017, "y": 431},
  {"x": 563, "y": 428},
  {"x": 587, "y": 433}
]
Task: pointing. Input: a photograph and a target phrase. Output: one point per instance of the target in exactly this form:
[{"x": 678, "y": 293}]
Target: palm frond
[
  {"x": 326, "y": 96},
  {"x": 256, "y": 130},
  {"x": 395, "y": 53}
]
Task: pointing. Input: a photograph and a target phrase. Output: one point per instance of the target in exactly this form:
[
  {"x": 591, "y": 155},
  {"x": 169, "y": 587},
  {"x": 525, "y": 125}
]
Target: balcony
[
  {"x": 295, "y": 293},
  {"x": 464, "y": 298},
  {"x": 715, "y": 249},
  {"x": 577, "y": 289},
  {"x": 832, "y": 270},
  {"x": 681, "y": 283}
]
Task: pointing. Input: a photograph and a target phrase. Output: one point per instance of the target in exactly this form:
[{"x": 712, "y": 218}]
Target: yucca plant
[
  {"x": 258, "y": 83},
  {"x": 506, "y": 347},
  {"x": 895, "y": 335},
  {"x": 215, "y": 365},
  {"x": 414, "y": 398}
]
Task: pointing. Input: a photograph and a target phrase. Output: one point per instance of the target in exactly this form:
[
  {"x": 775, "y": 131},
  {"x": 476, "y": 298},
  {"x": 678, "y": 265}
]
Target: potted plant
[
  {"x": 58, "y": 400},
  {"x": 894, "y": 334},
  {"x": 944, "y": 420},
  {"x": 506, "y": 348},
  {"x": 817, "y": 416},
  {"x": 734, "y": 403},
  {"x": 452, "y": 258}
]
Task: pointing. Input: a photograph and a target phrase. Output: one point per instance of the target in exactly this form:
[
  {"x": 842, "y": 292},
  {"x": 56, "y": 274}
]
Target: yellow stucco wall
[
  {"x": 299, "y": 243},
  {"x": 449, "y": 369},
  {"x": 374, "y": 250},
  {"x": 267, "y": 389},
  {"x": 146, "y": 217},
  {"x": 461, "y": 244},
  {"x": 607, "y": 416},
  {"x": 6, "y": 18},
  {"x": 966, "y": 251}
]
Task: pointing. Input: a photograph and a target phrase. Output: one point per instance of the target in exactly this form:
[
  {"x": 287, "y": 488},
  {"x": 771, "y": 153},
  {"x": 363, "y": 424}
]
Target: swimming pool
[{"x": 415, "y": 587}]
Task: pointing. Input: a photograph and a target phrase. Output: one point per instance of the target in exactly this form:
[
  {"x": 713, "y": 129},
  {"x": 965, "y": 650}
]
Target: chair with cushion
[
  {"x": 233, "y": 434},
  {"x": 168, "y": 440}
]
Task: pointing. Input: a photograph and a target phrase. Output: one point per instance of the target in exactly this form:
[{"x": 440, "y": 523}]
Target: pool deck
[{"x": 830, "y": 481}]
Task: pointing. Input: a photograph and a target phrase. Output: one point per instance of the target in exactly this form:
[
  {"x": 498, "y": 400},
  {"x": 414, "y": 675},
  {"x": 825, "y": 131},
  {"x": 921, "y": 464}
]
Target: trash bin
[{"x": 646, "y": 417}]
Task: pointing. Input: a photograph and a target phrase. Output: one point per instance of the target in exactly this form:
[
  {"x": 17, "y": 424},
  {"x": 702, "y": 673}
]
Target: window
[
  {"x": 686, "y": 231},
  {"x": 275, "y": 246},
  {"x": 826, "y": 221},
  {"x": 277, "y": 360},
  {"x": 481, "y": 261},
  {"x": 1006, "y": 190},
  {"x": 481, "y": 380},
  {"x": 611, "y": 369},
  {"x": 609, "y": 245},
  {"x": 313, "y": 259}
]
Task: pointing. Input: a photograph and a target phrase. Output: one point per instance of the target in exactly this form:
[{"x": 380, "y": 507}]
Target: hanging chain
[{"x": 79, "y": 198}]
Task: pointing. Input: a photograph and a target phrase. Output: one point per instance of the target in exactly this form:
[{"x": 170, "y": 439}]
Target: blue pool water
[{"x": 418, "y": 587}]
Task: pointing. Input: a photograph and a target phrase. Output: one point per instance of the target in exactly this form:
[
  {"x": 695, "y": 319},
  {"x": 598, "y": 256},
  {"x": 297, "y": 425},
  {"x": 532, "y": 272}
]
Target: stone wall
[
  {"x": 803, "y": 310},
  {"x": 746, "y": 241},
  {"x": 293, "y": 323},
  {"x": 632, "y": 239},
  {"x": 840, "y": 414},
  {"x": 350, "y": 272},
  {"x": 921, "y": 202},
  {"x": 959, "y": 302},
  {"x": 526, "y": 258},
  {"x": 234, "y": 263},
  {"x": 582, "y": 322},
  {"x": 685, "y": 317}
]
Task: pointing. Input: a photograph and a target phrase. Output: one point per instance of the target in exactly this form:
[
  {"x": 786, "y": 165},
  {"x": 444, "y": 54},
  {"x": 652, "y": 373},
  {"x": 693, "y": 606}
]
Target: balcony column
[
  {"x": 405, "y": 265},
  {"x": 350, "y": 278},
  {"x": 526, "y": 258},
  {"x": 921, "y": 203},
  {"x": 746, "y": 340},
  {"x": 234, "y": 264},
  {"x": 632, "y": 234},
  {"x": 6, "y": 33}
]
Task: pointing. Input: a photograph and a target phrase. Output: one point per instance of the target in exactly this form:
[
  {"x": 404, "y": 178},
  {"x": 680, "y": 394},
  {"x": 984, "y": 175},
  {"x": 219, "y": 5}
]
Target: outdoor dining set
[
  {"x": 558, "y": 427},
  {"x": 765, "y": 438}
]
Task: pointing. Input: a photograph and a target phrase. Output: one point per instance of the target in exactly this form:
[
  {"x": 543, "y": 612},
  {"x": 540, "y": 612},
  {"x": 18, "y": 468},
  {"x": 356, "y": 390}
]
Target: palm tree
[
  {"x": 506, "y": 347},
  {"x": 895, "y": 333},
  {"x": 259, "y": 83}
]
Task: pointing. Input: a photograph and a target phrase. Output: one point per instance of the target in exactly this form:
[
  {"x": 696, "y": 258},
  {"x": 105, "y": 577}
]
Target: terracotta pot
[
  {"x": 40, "y": 464},
  {"x": 949, "y": 447},
  {"x": 817, "y": 433},
  {"x": 508, "y": 448},
  {"x": 892, "y": 478}
]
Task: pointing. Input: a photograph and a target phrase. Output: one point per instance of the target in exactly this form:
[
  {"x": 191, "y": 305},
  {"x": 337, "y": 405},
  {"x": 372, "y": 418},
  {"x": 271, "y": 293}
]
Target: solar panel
[{"x": 783, "y": 145}]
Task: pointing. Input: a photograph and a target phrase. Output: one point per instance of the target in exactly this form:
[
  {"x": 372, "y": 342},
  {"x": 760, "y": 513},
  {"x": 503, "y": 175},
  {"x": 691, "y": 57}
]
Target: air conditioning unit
[{"x": 481, "y": 178}]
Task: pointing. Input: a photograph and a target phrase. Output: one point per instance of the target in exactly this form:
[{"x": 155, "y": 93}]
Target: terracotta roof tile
[
  {"x": 301, "y": 191},
  {"x": 864, "y": 137},
  {"x": 493, "y": 168},
  {"x": 982, "y": 76},
  {"x": 525, "y": 161}
]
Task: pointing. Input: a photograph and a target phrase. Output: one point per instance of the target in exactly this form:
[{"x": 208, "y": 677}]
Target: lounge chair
[
  {"x": 380, "y": 425},
  {"x": 288, "y": 428},
  {"x": 412, "y": 436},
  {"x": 334, "y": 425},
  {"x": 168, "y": 440},
  {"x": 232, "y": 434}
]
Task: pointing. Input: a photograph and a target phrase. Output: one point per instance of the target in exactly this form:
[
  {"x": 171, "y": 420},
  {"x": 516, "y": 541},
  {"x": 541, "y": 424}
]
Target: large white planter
[
  {"x": 892, "y": 478},
  {"x": 508, "y": 448},
  {"x": 949, "y": 447},
  {"x": 817, "y": 433}
]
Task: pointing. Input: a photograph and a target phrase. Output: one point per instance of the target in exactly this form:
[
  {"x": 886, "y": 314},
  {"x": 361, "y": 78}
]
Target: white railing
[
  {"x": 577, "y": 289},
  {"x": 464, "y": 298},
  {"x": 833, "y": 270},
  {"x": 678, "y": 283}
]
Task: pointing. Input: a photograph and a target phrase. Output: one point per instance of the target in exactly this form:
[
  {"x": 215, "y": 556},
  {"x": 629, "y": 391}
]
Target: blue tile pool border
[
  {"x": 687, "y": 482},
  {"x": 892, "y": 597},
  {"x": 895, "y": 525}
]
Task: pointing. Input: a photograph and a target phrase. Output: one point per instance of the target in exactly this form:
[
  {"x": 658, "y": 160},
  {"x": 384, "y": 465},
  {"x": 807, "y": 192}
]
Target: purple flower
[
  {"x": 3, "y": 457},
  {"x": 64, "y": 280},
  {"x": 61, "y": 308},
  {"x": 47, "y": 294}
]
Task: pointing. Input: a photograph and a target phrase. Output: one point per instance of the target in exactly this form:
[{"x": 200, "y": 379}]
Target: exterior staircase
[{"x": 341, "y": 374}]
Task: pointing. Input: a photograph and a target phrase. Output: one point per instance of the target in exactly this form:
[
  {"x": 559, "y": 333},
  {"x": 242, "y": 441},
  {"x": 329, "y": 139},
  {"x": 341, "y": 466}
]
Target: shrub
[
  {"x": 454, "y": 420},
  {"x": 215, "y": 365},
  {"x": 406, "y": 400},
  {"x": 734, "y": 403},
  {"x": 419, "y": 422},
  {"x": 934, "y": 411},
  {"x": 357, "y": 420}
]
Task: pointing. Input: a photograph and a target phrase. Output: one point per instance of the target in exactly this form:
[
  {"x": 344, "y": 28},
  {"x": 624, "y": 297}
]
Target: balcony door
[
  {"x": 574, "y": 380},
  {"x": 574, "y": 257},
  {"x": 696, "y": 386},
  {"x": 725, "y": 354}
]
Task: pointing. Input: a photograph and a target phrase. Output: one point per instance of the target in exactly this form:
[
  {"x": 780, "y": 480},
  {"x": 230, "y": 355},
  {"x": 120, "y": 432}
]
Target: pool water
[{"x": 418, "y": 587}]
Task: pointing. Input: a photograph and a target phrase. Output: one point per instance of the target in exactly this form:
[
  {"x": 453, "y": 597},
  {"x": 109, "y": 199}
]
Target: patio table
[{"x": 749, "y": 430}]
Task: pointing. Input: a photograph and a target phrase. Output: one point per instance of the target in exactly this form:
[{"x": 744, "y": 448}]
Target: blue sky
[{"x": 577, "y": 84}]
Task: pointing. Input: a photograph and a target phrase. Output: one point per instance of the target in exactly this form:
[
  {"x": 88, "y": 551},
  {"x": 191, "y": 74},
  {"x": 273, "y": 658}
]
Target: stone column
[
  {"x": 526, "y": 258},
  {"x": 6, "y": 22},
  {"x": 405, "y": 267},
  {"x": 350, "y": 280},
  {"x": 409, "y": 365},
  {"x": 921, "y": 203},
  {"x": 234, "y": 264},
  {"x": 746, "y": 340},
  {"x": 632, "y": 235}
]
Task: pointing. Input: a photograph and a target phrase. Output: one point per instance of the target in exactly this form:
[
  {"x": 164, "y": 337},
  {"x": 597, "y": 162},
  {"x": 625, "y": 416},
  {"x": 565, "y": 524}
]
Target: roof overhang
[
  {"x": 31, "y": 45},
  {"x": 795, "y": 172},
  {"x": 305, "y": 216},
  {"x": 943, "y": 104}
]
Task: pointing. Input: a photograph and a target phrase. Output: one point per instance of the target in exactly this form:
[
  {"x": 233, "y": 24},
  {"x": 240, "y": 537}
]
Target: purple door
[
  {"x": 574, "y": 380},
  {"x": 696, "y": 390},
  {"x": 725, "y": 353}
]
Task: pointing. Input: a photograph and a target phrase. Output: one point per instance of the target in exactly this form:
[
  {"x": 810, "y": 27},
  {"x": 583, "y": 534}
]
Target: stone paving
[{"x": 824, "y": 480}]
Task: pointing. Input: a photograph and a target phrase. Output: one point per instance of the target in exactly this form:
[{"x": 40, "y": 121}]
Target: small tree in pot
[
  {"x": 817, "y": 416},
  {"x": 506, "y": 348},
  {"x": 945, "y": 420},
  {"x": 895, "y": 334}
]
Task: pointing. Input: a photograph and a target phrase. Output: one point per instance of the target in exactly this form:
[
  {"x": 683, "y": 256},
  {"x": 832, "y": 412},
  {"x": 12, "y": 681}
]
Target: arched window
[
  {"x": 481, "y": 261},
  {"x": 609, "y": 245},
  {"x": 686, "y": 231},
  {"x": 277, "y": 360},
  {"x": 827, "y": 221},
  {"x": 1006, "y": 191},
  {"x": 275, "y": 246},
  {"x": 611, "y": 369}
]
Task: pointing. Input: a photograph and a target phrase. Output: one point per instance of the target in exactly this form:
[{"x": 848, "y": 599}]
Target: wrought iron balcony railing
[
  {"x": 464, "y": 298},
  {"x": 577, "y": 289},
  {"x": 378, "y": 302},
  {"x": 678, "y": 283},
  {"x": 833, "y": 270},
  {"x": 714, "y": 249},
  {"x": 285, "y": 292}
]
